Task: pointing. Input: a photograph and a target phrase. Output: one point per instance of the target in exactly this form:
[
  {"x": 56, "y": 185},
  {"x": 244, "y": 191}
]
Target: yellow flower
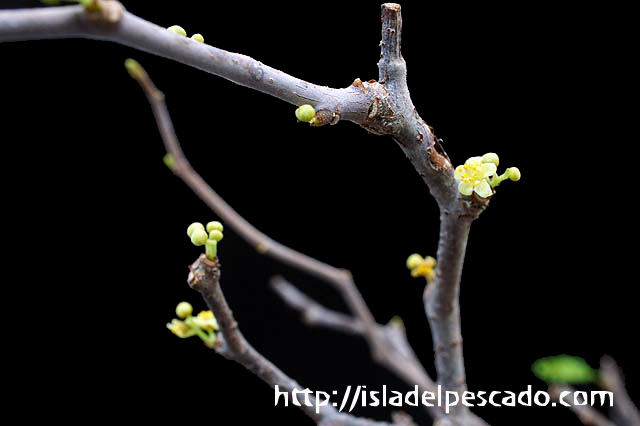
[
  {"x": 206, "y": 321},
  {"x": 422, "y": 267},
  {"x": 473, "y": 176},
  {"x": 180, "y": 329}
]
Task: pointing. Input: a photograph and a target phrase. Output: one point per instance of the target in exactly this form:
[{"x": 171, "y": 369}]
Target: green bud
[
  {"x": 514, "y": 173},
  {"x": 215, "y": 235},
  {"x": 305, "y": 113},
  {"x": 211, "y": 249},
  {"x": 169, "y": 161},
  {"x": 184, "y": 309},
  {"x": 491, "y": 158},
  {"x": 135, "y": 69},
  {"x": 193, "y": 227},
  {"x": 215, "y": 225},
  {"x": 178, "y": 30},
  {"x": 414, "y": 261},
  {"x": 198, "y": 38},
  {"x": 199, "y": 237}
]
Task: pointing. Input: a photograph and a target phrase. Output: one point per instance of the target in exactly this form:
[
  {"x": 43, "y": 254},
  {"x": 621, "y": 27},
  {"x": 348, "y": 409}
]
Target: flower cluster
[
  {"x": 208, "y": 237},
  {"x": 203, "y": 325},
  {"x": 479, "y": 175},
  {"x": 422, "y": 266}
]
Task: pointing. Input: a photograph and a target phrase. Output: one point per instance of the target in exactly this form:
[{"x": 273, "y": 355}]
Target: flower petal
[
  {"x": 489, "y": 169},
  {"x": 483, "y": 189},
  {"x": 465, "y": 188},
  {"x": 474, "y": 160},
  {"x": 457, "y": 174}
]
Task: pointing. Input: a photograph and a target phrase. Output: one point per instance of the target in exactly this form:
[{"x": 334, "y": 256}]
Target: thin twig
[
  {"x": 204, "y": 277},
  {"x": 313, "y": 313},
  {"x": 588, "y": 415},
  {"x": 392, "y": 337},
  {"x": 624, "y": 410}
]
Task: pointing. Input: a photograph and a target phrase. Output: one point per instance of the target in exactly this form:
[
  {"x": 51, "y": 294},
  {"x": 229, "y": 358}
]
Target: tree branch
[
  {"x": 340, "y": 279},
  {"x": 204, "y": 277},
  {"x": 588, "y": 415},
  {"x": 312, "y": 312},
  {"x": 350, "y": 103},
  {"x": 441, "y": 299},
  {"x": 391, "y": 340},
  {"x": 382, "y": 107},
  {"x": 612, "y": 379}
]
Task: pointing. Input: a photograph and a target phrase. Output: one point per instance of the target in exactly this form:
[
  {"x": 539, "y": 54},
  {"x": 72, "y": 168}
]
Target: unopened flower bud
[
  {"x": 305, "y": 113},
  {"x": 214, "y": 225},
  {"x": 215, "y": 235},
  {"x": 199, "y": 237},
  {"x": 193, "y": 227},
  {"x": 184, "y": 309},
  {"x": 514, "y": 173},
  {"x": 178, "y": 30},
  {"x": 491, "y": 158}
]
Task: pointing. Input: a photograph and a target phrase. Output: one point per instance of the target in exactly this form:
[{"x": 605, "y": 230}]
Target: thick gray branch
[
  {"x": 442, "y": 306},
  {"x": 457, "y": 212},
  {"x": 73, "y": 22}
]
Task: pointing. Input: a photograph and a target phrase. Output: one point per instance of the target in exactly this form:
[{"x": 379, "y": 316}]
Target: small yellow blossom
[
  {"x": 473, "y": 176},
  {"x": 422, "y": 267},
  {"x": 414, "y": 261},
  {"x": 180, "y": 329},
  {"x": 206, "y": 321}
]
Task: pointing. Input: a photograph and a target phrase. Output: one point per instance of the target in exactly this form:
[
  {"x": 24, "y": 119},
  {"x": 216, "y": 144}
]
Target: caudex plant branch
[{"x": 381, "y": 107}]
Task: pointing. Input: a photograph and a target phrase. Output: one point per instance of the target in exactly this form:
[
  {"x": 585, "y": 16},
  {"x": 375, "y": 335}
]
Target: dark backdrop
[{"x": 104, "y": 221}]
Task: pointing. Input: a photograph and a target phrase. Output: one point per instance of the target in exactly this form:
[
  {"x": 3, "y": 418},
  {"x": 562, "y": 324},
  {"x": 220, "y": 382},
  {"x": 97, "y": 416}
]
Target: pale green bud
[
  {"x": 193, "y": 227},
  {"x": 178, "y": 30},
  {"x": 513, "y": 173},
  {"x": 199, "y": 237},
  {"x": 491, "y": 158},
  {"x": 198, "y": 38},
  {"x": 184, "y": 309},
  {"x": 215, "y": 235},
  {"x": 215, "y": 225},
  {"x": 211, "y": 249},
  {"x": 169, "y": 161},
  {"x": 414, "y": 261},
  {"x": 135, "y": 69},
  {"x": 305, "y": 113}
]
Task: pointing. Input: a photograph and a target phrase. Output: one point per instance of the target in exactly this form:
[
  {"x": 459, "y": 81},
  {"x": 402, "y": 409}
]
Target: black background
[{"x": 100, "y": 222}]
